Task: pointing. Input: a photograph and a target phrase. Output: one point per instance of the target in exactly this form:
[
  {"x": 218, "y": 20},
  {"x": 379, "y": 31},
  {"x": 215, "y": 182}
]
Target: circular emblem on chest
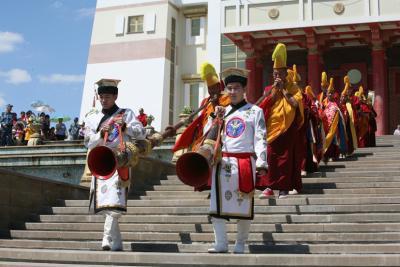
[
  {"x": 104, "y": 189},
  {"x": 235, "y": 127}
]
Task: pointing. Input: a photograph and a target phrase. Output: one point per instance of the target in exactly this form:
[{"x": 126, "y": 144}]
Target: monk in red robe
[
  {"x": 335, "y": 140},
  {"x": 349, "y": 115},
  {"x": 284, "y": 116},
  {"x": 313, "y": 136},
  {"x": 193, "y": 136}
]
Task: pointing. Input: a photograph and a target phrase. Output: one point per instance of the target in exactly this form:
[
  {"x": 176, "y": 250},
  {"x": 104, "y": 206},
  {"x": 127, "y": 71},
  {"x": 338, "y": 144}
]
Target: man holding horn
[
  {"x": 243, "y": 140},
  {"x": 112, "y": 128}
]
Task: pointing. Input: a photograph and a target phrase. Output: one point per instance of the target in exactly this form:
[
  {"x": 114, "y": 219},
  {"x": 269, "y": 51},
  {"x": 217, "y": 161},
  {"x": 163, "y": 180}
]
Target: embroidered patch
[
  {"x": 235, "y": 127},
  {"x": 113, "y": 134},
  {"x": 104, "y": 189},
  {"x": 228, "y": 195}
]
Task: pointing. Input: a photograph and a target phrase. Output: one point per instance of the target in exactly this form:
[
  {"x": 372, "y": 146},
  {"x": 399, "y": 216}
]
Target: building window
[
  {"x": 195, "y": 27},
  {"x": 195, "y": 31},
  {"x": 172, "y": 73},
  {"x": 135, "y": 24},
  {"x": 231, "y": 55},
  {"x": 194, "y": 96}
]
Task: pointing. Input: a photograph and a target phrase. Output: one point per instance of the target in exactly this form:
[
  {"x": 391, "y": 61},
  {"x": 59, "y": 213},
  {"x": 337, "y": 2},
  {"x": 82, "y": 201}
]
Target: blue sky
[{"x": 44, "y": 47}]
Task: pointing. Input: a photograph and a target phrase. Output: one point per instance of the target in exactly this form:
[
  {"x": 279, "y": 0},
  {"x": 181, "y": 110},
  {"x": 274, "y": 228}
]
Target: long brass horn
[
  {"x": 194, "y": 168},
  {"x": 104, "y": 161}
]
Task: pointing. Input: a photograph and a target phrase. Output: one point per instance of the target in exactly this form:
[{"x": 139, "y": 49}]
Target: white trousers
[{"x": 111, "y": 235}]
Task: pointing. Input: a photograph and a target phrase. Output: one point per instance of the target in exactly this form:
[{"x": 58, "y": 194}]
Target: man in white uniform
[
  {"x": 243, "y": 153},
  {"x": 109, "y": 196}
]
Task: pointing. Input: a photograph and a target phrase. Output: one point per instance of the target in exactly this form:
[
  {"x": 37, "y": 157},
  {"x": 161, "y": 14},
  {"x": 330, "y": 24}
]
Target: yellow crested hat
[
  {"x": 292, "y": 75},
  {"x": 309, "y": 91},
  {"x": 324, "y": 79},
  {"x": 279, "y": 56},
  {"x": 346, "y": 86},
  {"x": 208, "y": 74},
  {"x": 330, "y": 88},
  {"x": 361, "y": 90}
]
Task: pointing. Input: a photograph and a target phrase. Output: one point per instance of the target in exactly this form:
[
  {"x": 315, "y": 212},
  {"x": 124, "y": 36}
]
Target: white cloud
[
  {"x": 61, "y": 78},
  {"x": 2, "y": 101},
  {"x": 57, "y": 4},
  {"x": 16, "y": 76},
  {"x": 86, "y": 12},
  {"x": 8, "y": 41}
]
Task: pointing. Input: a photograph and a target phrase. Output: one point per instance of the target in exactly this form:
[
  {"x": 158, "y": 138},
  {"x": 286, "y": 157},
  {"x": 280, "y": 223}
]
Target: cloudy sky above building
[{"x": 44, "y": 46}]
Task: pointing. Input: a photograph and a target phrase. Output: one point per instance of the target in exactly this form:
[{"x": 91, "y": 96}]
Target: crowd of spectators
[{"x": 17, "y": 130}]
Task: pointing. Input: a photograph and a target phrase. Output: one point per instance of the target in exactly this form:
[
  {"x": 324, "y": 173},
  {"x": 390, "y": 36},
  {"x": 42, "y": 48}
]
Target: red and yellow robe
[
  {"x": 283, "y": 122},
  {"x": 193, "y": 135}
]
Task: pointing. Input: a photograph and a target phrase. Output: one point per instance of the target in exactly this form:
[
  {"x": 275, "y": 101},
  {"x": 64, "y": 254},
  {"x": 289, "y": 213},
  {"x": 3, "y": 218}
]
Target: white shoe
[
  {"x": 239, "y": 247},
  {"x": 303, "y": 173},
  {"x": 106, "y": 244},
  {"x": 293, "y": 192},
  {"x": 218, "y": 249}
]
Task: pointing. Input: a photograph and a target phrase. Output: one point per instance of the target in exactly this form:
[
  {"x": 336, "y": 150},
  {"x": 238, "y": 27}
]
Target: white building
[{"x": 156, "y": 47}]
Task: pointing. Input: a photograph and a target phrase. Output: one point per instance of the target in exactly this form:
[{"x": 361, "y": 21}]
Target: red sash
[{"x": 245, "y": 170}]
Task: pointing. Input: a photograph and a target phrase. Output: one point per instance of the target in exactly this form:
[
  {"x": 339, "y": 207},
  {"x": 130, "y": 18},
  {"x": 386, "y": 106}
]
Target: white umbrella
[
  {"x": 45, "y": 109},
  {"x": 37, "y": 103}
]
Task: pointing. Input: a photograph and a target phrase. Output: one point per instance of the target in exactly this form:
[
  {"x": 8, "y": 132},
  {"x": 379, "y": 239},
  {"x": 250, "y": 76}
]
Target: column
[
  {"x": 313, "y": 71},
  {"x": 313, "y": 60},
  {"x": 379, "y": 86},
  {"x": 251, "y": 79},
  {"x": 259, "y": 89}
]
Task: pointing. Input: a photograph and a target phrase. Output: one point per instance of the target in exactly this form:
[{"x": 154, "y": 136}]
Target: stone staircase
[{"x": 349, "y": 215}]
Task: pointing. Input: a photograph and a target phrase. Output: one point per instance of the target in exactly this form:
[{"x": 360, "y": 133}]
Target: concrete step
[
  {"x": 263, "y": 202},
  {"x": 299, "y": 209},
  {"x": 342, "y": 237},
  {"x": 196, "y": 259},
  {"x": 309, "y": 180},
  {"x": 259, "y": 218},
  {"x": 312, "y": 195},
  {"x": 372, "y": 248},
  {"x": 360, "y": 173},
  {"x": 359, "y": 191},
  {"x": 341, "y": 168},
  {"x": 307, "y": 185},
  {"x": 231, "y": 227}
]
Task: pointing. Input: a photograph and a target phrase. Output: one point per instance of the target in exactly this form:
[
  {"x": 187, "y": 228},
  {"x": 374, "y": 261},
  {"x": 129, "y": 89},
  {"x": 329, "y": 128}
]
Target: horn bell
[{"x": 102, "y": 162}]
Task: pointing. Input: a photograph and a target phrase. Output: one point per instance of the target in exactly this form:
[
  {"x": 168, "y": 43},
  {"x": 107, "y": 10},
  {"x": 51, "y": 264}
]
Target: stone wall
[{"x": 22, "y": 196}]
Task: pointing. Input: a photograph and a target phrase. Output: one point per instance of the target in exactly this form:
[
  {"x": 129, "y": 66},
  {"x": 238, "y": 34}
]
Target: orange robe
[{"x": 193, "y": 135}]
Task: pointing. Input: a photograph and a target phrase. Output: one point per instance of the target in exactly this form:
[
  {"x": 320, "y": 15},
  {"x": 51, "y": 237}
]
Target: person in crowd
[
  {"x": 19, "y": 133},
  {"x": 142, "y": 117},
  {"x": 81, "y": 134},
  {"x": 74, "y": 129},
  {"x": 61, "y": 129},
  {"x": 7, "y": 120}
]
